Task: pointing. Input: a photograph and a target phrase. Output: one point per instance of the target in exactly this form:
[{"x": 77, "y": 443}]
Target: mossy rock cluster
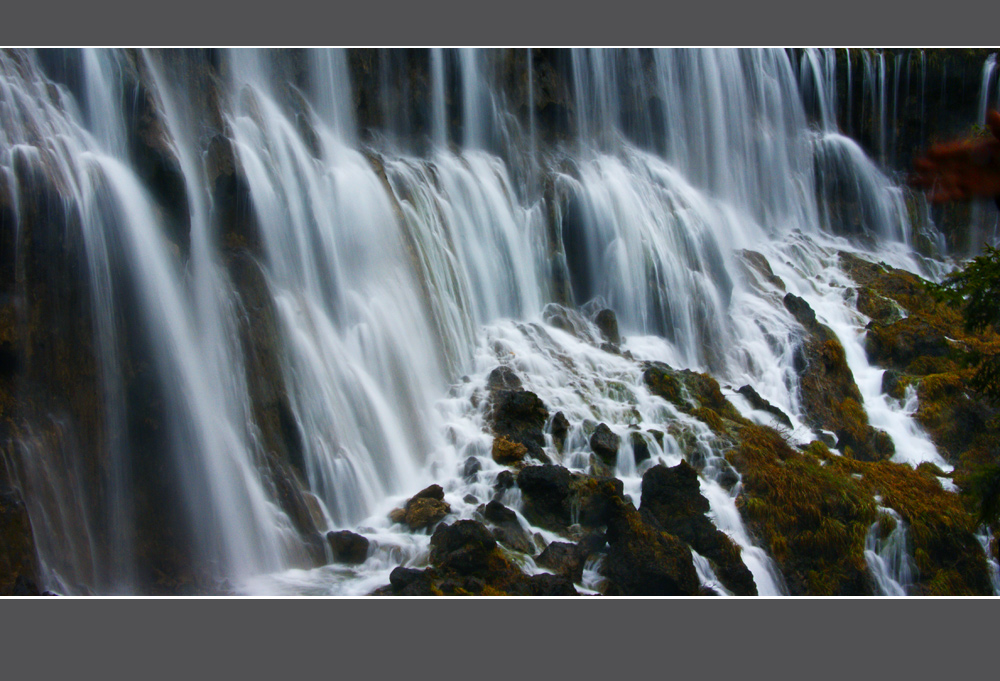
[
  {"x": 830, "y": 397},
  {"x": 927, "y": 350}
]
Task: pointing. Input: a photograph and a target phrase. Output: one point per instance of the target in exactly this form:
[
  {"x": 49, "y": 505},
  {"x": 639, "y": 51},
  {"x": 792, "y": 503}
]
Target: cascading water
[{"x": 309, "y": 305}]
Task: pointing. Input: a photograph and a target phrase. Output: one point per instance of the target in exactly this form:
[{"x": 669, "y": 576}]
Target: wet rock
[
  {"x": 348, "y": 547},
  {"x": 410, "y": 582},
  {"x": 546, "y": 491},
  {"x": 503, "y": 378},
  {"x": 564, "y": 558},
  {"x": 465, "y": 546},
  {"x": 758, "y": 402},
  {"x": 507, "y": 529},
  {"x": 17, "y": 545},
  {"x": 469, "y": 499},
  {"x": 830, "y": 397},
  {"x": 506, "y": 453},
  {"x": 544, "y": 585},
  {"x": 560, "y": 430},
  {"x": 471, "y": 469},
  {"x": 640, "y": 448},
  {"x": 422, "y": 509},
  {"x": 757, "y": 263},
  {"x": 892, "y": 384},
  {"x": 800, "y": 309},
  {"x": 642, "y": 560},
  {"x": 505, "y": 480},
  {"x": 604, "y": 443},
  {"x": 672, "y": 497},
  {"x": 425, "y": 512},
  {"x": 607, "y": 324},
  {"x": 520, "y": 417}
]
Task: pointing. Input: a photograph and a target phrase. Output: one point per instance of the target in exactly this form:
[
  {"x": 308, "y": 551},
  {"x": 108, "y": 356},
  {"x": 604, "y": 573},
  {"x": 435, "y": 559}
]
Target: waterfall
[{"x": 294, "y": 283}]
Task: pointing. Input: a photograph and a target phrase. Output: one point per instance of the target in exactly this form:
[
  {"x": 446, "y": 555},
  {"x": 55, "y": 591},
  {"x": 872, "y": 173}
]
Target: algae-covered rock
[{"x": 519, "y": 416}]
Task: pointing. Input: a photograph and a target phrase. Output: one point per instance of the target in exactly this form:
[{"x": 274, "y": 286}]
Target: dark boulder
[
  {"x": 546, "y": 491},
  {"x": 560, "y": 430},
  {"x": 672, "y": 498},
  {"x": 503, "y": 378},
  {"x": 471, "y": 469},
  {"x": 465, "y": 546},
  {"x": 640, "y": 448},
  {"x": 604, "y": 443},
  {"x": 564, "y": 558},
  {"x": 759, "y": 403},
  {"x": 507, "y": 528},
  {"x": 520, "y": 417},
  {"x": 543, "y": 585},
  {"x": 348, "y": 547},
  {"x": 642, "y": 560},
  {"x": 607, "y": 324},
  {"x": 505, "y": 480},
  {"x": 423, "y": 509}
]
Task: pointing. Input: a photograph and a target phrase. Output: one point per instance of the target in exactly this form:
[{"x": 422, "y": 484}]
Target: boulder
[
  {"x": 423, "y": 509},
  {"x": 607, "y": 324},
  {"x": 520, "y": 417},
  {"x": 503, "y": 378},
  {"x": 546, "y": 491},
  {"x": 465, "y": 546},
  {"x": 564, "y": 558},
  {"x": 604, "y": 443},
  {"x": 471, "y": 468},
  {"x": 640, "y": 448},
  {"x": 642, "y": 560},
  {"x": 507, "y": 528},
  {"x": 758, "y": 402},
  {"x": 560, "y": 430},
  {"x": 672, "y": 498},
  {"x": 348, "y": 547},
  {"x": 507, "y": 453}
]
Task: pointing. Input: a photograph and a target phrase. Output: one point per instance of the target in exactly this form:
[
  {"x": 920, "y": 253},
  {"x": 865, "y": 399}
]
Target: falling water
[{"x": 321, "y": 327}]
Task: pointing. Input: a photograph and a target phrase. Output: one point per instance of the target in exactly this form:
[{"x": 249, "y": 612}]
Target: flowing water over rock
[{"x": 294, "y": 275}]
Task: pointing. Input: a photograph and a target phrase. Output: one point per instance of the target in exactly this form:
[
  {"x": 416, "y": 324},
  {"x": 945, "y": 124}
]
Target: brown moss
[
  {"x": 506, "y": 452},
  {"x": 812, "y": 518}
]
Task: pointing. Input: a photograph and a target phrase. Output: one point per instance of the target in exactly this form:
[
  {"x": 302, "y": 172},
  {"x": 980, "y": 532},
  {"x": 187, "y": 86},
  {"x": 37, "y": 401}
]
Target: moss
[
  {"x": 942, "y": 529},
  {"x": 506, "y": 452},
  {"x": 811, "y": 518}
]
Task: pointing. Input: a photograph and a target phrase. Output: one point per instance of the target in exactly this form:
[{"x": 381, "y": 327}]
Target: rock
[
  {"x": 469, "y": 499},
  {"x": 758, "y": 402},
  {"x": 892, "y": 384},
  {"x": 520, "y": 417},
  {"x": 800, "y": 309},
  {"x": 546, "y": 491},
  {"x": 564, "y": 558},
  {"x": 672, "y": 497},
  {"x": 17, "y": 546},
  {"x": 424, "y": 512},
  {"x": 544, "y": 585},
  {"x": 508, "y": 530},
  {"x": 410, "y": 582},
  {"x": 640, "y": 448},
  {"x": 465, "y": 546},
  {"x": 348, "y": 547},
  {"x": 505, "y": 480},
  {"x": 431, "y": 492},
  {"x": 902, "y": 343},
  {"x": 642, "y": 560},
  {"x": 506, "y": 452},
  {"x": 560, "y": 430},
  {"x": 503, "y": 378},
  {"x": 471, "y": 469},
  {"x": 423, "y": 509},
  {"x": 605, "y": 444},
  {"x": 607, "y": 324}
]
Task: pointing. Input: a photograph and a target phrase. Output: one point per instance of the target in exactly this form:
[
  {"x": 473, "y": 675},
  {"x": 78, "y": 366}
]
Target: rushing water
[{"x": 403, "y": 266}]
